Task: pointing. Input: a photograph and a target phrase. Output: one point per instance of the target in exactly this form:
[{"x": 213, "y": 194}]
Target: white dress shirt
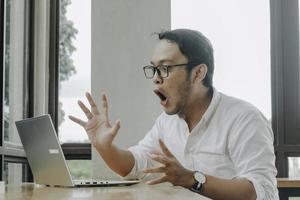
[{"x": 232, "y": 140}]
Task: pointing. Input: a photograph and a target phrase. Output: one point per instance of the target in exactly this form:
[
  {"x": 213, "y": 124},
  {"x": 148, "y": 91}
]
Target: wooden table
[
  {"x": 288, "y": 187},
  {"x": 139, "y": 191}
]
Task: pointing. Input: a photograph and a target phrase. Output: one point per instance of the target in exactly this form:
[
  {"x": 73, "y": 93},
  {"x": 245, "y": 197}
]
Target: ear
[{"x": 198, "y": 73}]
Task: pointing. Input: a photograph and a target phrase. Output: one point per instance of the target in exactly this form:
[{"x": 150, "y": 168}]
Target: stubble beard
[{"x": 184, "y": 92}]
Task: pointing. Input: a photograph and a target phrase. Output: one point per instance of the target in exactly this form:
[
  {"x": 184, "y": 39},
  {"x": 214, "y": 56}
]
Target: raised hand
[
  {"x": 99, "y": 130},
  {"x": 173, "y": 171}
]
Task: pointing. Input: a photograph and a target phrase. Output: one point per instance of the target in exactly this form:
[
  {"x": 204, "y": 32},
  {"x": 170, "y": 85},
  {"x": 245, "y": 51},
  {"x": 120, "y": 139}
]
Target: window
[
  {"x": 74, "y": 67},
  {"x": 24, "y": 67},
  {"x": 294, "y": 167},
  {"x": 15, "y": 87},
  {"x": 285, "y": 84},
  {"x": 70, "y": 79},
  {"x": 14, "y": 69},
  {"x": 13, "y": 173},
  {"x": 294, "y": 162}
]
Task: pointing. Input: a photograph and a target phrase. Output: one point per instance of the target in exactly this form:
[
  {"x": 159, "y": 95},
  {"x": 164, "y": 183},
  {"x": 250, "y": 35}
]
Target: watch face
[{"x": 199, "y": 177}]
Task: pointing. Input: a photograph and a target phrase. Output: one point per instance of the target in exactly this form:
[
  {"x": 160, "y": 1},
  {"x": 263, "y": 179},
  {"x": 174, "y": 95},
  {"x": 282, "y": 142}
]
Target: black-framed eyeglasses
[{"x": 162, "y": 70}]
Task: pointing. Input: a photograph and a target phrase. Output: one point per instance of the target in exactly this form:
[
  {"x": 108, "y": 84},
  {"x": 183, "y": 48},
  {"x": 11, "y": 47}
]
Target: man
[{"x": 205, "y": 141}]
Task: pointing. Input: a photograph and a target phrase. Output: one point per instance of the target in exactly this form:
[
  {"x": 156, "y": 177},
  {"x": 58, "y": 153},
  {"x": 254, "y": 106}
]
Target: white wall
[{"x": 121, "y": 44}]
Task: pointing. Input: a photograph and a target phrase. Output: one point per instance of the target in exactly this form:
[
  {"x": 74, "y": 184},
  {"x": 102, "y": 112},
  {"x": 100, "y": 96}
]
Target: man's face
[{"x": 174, "y": 90}]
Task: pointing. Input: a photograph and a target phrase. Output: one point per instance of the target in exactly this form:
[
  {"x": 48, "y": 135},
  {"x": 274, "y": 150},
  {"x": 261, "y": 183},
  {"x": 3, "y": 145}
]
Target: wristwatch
[{"x": 200, "y": 180}]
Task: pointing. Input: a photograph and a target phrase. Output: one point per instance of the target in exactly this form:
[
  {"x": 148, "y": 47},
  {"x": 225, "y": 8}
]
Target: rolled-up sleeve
[
  {"x": 252, "y": 153},
  {"x": 141, "y": 152}
]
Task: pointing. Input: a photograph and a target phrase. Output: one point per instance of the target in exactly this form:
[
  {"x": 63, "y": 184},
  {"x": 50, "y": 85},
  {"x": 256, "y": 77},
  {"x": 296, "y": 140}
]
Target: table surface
[
  {"x": 288, "y": 182},
  {"x": 139, "y": 191}
]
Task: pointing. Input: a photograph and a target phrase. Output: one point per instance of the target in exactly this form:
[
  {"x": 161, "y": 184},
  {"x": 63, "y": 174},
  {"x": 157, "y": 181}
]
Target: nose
[{"x": 157, "y": 79}]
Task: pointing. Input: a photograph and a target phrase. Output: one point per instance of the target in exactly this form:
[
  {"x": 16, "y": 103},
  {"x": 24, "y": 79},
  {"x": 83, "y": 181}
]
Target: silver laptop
[{"x": 46, "y": 158}]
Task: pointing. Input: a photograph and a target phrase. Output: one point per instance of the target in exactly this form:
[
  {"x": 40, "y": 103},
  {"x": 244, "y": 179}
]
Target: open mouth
[{"x": 163, "y": 97}]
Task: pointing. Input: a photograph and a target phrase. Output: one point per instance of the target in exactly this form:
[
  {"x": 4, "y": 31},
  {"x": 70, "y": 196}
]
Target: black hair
[{"x": 195, "y": 47}]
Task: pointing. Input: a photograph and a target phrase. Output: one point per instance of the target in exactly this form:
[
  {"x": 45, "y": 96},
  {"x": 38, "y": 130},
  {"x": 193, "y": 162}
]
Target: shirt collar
[{"x": 212, "y": 106}]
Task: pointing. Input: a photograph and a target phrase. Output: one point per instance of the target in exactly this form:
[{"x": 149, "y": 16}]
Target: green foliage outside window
[{"x": 67, "y": 33}]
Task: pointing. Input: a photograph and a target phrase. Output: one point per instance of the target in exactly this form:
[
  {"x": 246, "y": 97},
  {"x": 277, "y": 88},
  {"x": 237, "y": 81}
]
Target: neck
[{"x": 197, "y": 107}]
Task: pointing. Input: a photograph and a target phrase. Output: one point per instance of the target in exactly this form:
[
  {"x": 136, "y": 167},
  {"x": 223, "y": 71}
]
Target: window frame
[
  {"x": 2, "y": 24},
  {"x": 284, "y": 63}
]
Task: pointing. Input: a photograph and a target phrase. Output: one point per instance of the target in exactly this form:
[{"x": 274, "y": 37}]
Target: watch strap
[{"x": 197, "y": 186}]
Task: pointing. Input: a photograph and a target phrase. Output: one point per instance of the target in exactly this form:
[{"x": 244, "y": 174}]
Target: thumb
[{"x": 116, "y": 128}]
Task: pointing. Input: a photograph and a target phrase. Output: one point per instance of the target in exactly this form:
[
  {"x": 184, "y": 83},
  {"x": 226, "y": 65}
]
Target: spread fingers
[
  {"x": 77, "y": 120},
  {"x": 86, "y": 111}
]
